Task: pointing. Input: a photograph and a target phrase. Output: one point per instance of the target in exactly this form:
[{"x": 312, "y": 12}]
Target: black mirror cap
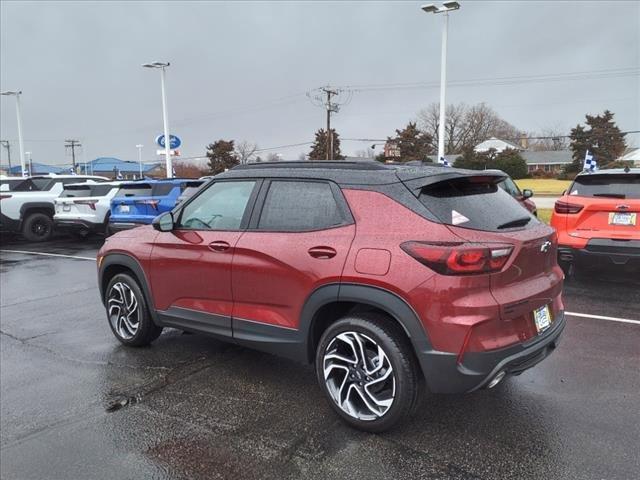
[
  {"x": 163, "y": 222},
  {"x": 527, "y": 193}
]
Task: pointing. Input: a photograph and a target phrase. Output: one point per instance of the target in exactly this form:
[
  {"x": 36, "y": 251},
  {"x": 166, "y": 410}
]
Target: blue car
[{"x": 138, "y": 203}]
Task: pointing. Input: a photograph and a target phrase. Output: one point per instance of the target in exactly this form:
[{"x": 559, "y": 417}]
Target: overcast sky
[{"x": 241, "y": 70}]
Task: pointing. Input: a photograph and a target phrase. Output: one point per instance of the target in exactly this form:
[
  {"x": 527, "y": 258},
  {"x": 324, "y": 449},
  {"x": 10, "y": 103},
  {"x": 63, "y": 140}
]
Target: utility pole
[
  {"x": 331, "y": 108},
  {"x": 72, "y": 144},
  {"x": 7, "y": 145},
  {"x": 325, "y": 97}
]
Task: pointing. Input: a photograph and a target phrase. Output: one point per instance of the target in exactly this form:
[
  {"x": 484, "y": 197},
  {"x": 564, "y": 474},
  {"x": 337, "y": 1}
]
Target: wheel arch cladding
[
  {"x": 37, "y": 207},
  {"x": 116, "y": 263},
  {"x": 338, "y": 300}
]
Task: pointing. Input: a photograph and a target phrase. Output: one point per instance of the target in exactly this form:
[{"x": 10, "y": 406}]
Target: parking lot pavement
[{"x": 78, "y": 405}]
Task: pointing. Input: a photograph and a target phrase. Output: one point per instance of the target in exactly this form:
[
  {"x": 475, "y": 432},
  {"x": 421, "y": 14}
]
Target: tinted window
[
  {"x": 624, "y": 185},
  {"x": 86, "y": 190},
  {"x": 139, "y": 190},
  {"x": 299, "y": 206},
  {"x": 161, "y": 189},
  {"x": 475, "y": 204},
  {"x": 33, "y": 184},
  {"x": 219, "y": 207}
]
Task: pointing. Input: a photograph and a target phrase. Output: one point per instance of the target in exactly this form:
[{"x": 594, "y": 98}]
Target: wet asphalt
[{"x": 75, "y": 404}]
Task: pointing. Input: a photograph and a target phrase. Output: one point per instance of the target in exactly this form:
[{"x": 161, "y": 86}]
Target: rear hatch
[
  {"x": 478, "y": 212},
  {"x": 608, "y": 206},
  {"x": 132, "y": 200},
  {"x": 81, "y": 199}
]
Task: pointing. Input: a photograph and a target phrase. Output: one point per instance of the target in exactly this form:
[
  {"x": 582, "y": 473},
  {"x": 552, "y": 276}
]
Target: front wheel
[
  {"x": 128, "y": 312},
  {"x": 367, "y": 369}
]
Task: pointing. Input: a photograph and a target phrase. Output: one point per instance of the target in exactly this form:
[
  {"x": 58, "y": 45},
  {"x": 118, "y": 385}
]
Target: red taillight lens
[
  {"x": 566, "y": 207},
  {"x": 459, "y": 258},
  {"x": 153, "y": 203},
  {"x": 90, "y": 203}
]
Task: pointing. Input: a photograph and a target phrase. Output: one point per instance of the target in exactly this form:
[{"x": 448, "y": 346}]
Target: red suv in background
[
  {"x": 386, "y": 277},
  {"x": 598, "y": 220}
]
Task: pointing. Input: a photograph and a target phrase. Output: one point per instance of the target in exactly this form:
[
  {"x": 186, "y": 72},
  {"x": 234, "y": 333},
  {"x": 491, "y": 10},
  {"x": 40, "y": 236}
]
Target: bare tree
[
  {"x": 466, "y": 126},
  {"x": 274, "y": 157},
  {"x": 245, "y": 151},
  {"x": 549, "y": 139},
  {"x": 367, "y": 153}
]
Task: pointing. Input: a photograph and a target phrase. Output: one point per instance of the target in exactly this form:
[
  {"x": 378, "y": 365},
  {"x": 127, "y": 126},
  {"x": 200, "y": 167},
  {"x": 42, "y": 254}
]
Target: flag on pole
[
  {"x": 444, "y": 162},
  {"x": 590, "y": 163}
]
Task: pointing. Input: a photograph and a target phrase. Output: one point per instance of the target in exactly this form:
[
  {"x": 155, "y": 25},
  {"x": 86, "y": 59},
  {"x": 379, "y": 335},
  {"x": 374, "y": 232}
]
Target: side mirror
[
  {"x": 163, "y": 222},
  {"x": 526, "y": 193}
]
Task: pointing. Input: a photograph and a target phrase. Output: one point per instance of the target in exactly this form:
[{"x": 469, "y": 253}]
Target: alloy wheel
[
  {"x": 122, "y": 307},
  {"x": 359, "y": 376}
]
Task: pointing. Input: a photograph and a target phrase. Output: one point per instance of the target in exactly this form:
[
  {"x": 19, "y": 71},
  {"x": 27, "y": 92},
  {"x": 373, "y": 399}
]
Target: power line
[
  {"x": 72, "y": 144},
  {"x": 317, "y": 97}
]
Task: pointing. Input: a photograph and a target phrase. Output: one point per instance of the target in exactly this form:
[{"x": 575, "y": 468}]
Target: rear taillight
[
  {"x": 2, "y": 197},
  {"x": 153, "y": 203},
  {"x": 566, "y": 207},
  {"x": 460, "y": 258},
  {"x": 90, "y": 203}
]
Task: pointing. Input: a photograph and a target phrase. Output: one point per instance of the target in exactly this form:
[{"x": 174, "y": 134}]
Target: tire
[
  {"x": 135, "y": 327},
  {"x": 397, "y": 393},
  {"x": 37, "y": 227},
  {"x": 568, "y": 268}
]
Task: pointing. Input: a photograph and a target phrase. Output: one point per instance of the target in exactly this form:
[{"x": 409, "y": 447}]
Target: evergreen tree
[
  {"x": 221, "y": 156},
  {"x": 319, "y": 147},
  {"x": 603, "y": 139},
  {"x": 413, "y": 144}
]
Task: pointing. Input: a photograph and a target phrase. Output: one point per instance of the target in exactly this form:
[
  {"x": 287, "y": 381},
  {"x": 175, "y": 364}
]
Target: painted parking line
[
  {"x": 601, "y": 317},
  {"x": 48, "y": 254}
]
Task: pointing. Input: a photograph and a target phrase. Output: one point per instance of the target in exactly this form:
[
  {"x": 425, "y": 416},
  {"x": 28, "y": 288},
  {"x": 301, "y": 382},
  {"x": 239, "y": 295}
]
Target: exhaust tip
[{"x": 497, "y": 379}]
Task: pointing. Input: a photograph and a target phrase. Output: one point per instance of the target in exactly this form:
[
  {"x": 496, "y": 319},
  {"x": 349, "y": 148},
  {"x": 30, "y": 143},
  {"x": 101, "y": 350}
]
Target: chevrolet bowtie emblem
[{"x": 545, "y": 246}]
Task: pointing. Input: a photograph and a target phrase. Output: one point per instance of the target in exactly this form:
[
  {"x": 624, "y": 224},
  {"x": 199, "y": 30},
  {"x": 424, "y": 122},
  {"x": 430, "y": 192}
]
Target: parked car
[
  {"x": 523, "y": 197},
  {"x": 597, "y": 220},
  {"x": 380, "y": 275},
  {"x": 138, "y": 203},
  {"x": 84, "y": 208},
  {"x": 29, "y": 207}
]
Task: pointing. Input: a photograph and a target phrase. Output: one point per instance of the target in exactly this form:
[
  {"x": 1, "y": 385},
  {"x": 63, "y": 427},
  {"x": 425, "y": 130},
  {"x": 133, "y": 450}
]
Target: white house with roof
[
  {"x": 495, "y": 144},
  {"x": 632, "y": 156}
]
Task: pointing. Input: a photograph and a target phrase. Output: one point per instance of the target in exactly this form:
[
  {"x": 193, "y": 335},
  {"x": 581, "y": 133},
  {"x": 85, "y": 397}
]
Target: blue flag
[{"x": 590, "y": 163}]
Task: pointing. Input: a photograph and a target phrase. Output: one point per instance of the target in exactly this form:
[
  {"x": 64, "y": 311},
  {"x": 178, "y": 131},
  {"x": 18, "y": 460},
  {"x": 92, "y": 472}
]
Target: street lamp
[
  {"x": 445, "y": 8},
  {"x": 19, "y": 116},
  {"x": 139, "y": 147},
  {"x": 165, "y": 117}
]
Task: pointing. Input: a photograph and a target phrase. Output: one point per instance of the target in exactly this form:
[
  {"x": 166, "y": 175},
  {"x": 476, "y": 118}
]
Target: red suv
[{"x": 386, "y": 277}]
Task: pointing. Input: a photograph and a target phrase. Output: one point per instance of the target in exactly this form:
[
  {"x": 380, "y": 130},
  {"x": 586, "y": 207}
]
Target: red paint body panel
[{"x": 273, "y": 272}]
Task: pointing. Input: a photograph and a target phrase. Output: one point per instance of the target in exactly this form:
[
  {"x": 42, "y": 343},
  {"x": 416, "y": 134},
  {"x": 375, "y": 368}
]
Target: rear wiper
[
  {"x": 518, "y": 222},
  {"x": 612, "y": 195}
]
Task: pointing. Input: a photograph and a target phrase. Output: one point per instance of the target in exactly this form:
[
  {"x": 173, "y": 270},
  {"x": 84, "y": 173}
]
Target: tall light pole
[
  {"x": 139, "y": 147},
  {"x": 165, "y": 117},
  {"x": 445, "y": 8},
  {"x": 17, "y": 94}
]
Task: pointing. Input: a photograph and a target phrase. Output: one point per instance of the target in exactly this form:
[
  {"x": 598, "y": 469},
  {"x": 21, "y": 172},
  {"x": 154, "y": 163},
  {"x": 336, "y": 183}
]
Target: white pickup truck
[{"x": 29, "y": 207}]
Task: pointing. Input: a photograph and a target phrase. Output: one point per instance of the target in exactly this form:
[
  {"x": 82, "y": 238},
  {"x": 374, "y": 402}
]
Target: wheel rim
[
  {"x": 123, "y": 311},
  {"x": 40, "y": 229},
  {"x": 359, "y": 376}
]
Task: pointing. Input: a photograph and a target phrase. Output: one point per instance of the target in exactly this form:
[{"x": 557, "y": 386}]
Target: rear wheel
[
  {"x": 367, "y": 369},
  {"x": 37, "y": 227},
  {"x": 128, "y": 313}
]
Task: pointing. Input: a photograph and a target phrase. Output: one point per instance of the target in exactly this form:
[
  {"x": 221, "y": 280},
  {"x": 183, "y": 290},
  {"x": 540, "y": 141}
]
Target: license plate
[
  {"x": 542, "y": 318},
  {"x": 124, "y": 208},
  {"x": 622, "y": 218}
]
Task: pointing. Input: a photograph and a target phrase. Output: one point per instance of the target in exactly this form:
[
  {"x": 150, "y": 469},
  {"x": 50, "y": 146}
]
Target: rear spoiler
[{"x": 415, "y": 179}]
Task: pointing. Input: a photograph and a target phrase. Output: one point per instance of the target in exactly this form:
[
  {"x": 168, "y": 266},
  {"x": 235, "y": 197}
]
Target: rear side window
[
  {"x": 161, "y": 189},
  {"x": 475, "y": 204},
  {"x": 141, "y": 190},
  {"x": 624, "y": 185},
  {"x": 292, "y": 206},
  {"x": 34, "y": 184}
]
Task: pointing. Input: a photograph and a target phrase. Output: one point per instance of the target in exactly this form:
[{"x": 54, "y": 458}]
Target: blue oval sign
[{"x": 174, "y": 142}]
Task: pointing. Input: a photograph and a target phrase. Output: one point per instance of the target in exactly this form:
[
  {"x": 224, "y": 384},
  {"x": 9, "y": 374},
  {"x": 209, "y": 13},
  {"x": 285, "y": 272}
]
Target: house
[
  {"x": 550, "y": 161},
  {"x": 114, "y": 167},
  {"x": 495, "y": 144},
  {"x": 632, "y": 156},
  {"x": 37, "y": 169}
]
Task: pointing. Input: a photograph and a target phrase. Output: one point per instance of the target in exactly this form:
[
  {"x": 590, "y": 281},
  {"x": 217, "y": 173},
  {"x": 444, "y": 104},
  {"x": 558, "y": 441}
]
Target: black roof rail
[{"x": 332, "y": 164}]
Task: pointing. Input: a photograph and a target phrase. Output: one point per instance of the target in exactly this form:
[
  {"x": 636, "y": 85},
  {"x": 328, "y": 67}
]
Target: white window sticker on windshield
[{"x": 457, "y": 218}]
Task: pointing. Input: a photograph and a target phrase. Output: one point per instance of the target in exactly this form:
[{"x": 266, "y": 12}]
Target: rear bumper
[
  {"x": 445, "y": 375},
  {"x": 77, "y": 225},
  {"x": 602, "y": 252}
]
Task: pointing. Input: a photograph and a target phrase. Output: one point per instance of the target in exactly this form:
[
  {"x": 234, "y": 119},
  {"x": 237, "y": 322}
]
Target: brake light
[
  {"x": 2, "y": 197},
  {"x": 566, "y": 207},
  {"x": 153, "y": 203},
  {"x": 459, "y": 258},
  {"x": 90, "y": 203}
]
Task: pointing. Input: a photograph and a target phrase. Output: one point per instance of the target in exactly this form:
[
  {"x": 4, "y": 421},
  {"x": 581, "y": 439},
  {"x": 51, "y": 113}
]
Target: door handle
[
  {"x": 219, "y": 246},
  {"x": 322, "y": 252}
]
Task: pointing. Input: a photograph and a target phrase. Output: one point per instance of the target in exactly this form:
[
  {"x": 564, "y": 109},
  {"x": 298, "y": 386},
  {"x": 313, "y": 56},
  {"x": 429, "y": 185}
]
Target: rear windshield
[
  {"x": 86, "y": 190},
  {"x": 624, "y": 185},
  {"x": 477, "y": 205},
  {"x": 161, "y": 189},
  {"x": 139, "y": 190}
]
